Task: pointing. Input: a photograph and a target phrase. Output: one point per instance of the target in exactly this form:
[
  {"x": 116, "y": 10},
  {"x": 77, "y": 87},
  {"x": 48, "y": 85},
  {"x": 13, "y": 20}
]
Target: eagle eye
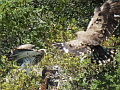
[
  {"x": 99, "y": 14},
  {"x": 70, "y": 45}
]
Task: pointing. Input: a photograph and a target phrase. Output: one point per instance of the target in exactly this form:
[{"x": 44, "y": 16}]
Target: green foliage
[{"x": 43, "y": 22}]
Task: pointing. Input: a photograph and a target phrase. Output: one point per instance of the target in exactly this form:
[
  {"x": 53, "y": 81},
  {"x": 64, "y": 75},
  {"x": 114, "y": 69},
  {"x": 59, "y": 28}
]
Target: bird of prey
[
  {"x": 53, "y": 77},
  {"x": 25, "y": 56},
  {"x": 101, "y": 27}
]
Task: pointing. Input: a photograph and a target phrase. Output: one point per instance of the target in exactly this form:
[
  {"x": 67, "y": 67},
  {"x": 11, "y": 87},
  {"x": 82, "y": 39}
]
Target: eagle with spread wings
[
  {"x": 25, "y": 56},
  {"x": 101, "y": 27}
]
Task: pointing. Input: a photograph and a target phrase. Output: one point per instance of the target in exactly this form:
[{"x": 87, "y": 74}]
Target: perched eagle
[
  {"x": 101, "y": 27},
  {"x": 25, "y": 56},
  {"x": 53, "y": 78}
]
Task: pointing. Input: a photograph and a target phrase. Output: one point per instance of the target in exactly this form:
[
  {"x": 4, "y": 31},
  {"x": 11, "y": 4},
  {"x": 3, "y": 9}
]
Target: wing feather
[
  {"x": 100, "y": 28},
  {"x": 102, "y": 25},
  {"x": 23, "y": 54},
  {"x": 24, "y": 51},
  {"x": 26, "y": 46}
]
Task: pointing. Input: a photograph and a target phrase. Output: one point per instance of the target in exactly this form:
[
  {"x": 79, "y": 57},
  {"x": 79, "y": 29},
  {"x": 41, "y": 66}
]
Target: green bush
[{"x": 43, "y": 22}]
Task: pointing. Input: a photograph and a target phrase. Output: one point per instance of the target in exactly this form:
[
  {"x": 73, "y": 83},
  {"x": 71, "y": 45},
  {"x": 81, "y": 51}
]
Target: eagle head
[{"x": 42, "y": 51}]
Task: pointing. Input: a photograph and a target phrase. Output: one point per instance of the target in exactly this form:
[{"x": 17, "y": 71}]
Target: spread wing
[
  {"x": 100, "y": 28},
  {"x": 104, "y": 20},
  {"x": 25, "y": 46},
  {"x": 24, "y": 51}
]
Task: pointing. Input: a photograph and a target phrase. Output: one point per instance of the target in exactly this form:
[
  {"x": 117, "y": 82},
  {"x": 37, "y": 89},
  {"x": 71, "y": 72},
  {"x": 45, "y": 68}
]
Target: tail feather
[{"x": 102, "y": 55}]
